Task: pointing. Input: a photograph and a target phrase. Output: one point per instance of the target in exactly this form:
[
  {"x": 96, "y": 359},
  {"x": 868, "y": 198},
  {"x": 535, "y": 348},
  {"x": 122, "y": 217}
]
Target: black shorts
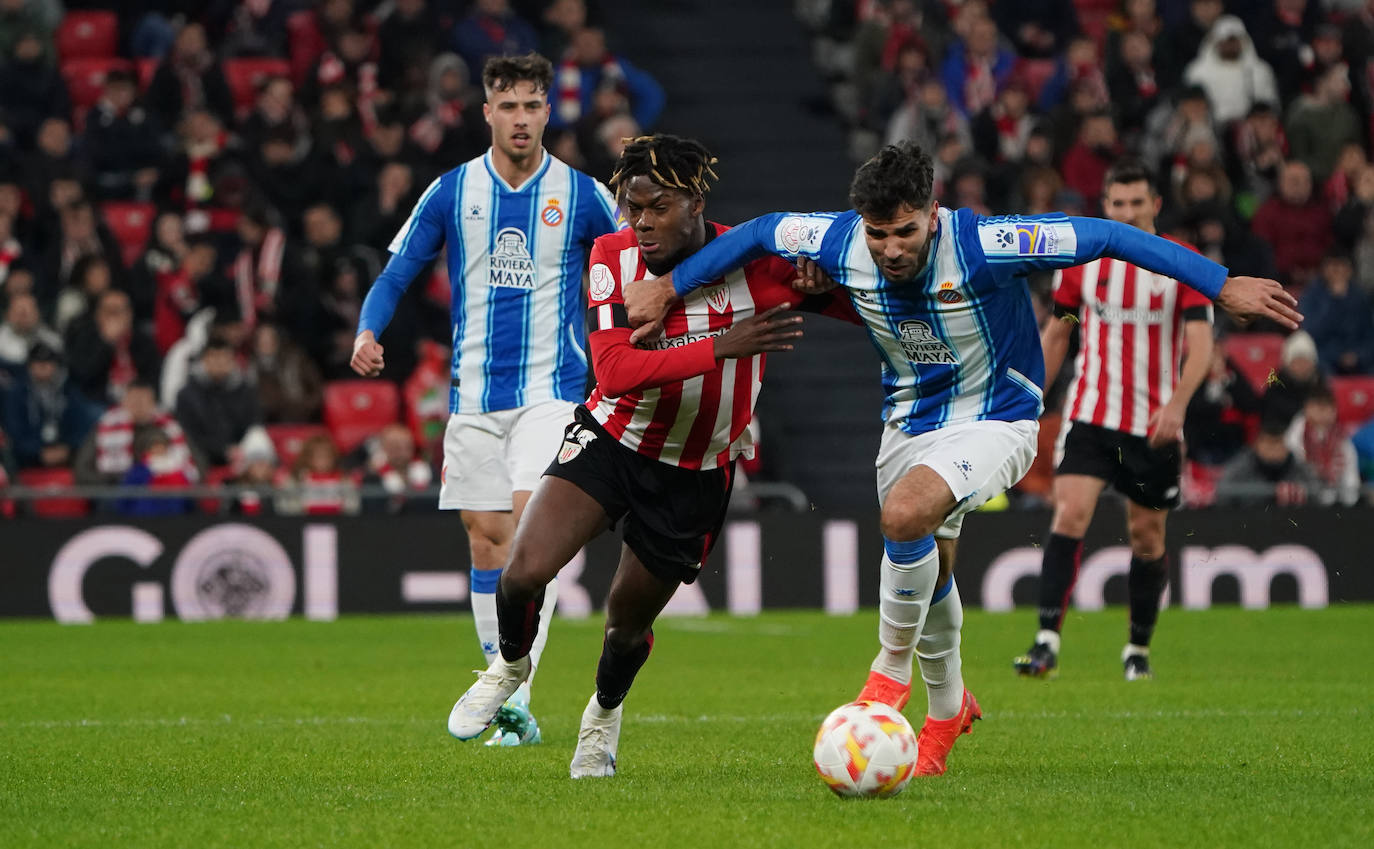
[
  {"x": 672, "y": 515},
  {"x": 1148, "y": 476}
]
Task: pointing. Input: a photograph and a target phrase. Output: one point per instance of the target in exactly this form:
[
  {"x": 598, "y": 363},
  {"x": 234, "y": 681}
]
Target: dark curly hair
[
  {"x": 1128, "y": 170},
  {"x": 670, "y": 161},
  {"x": 502, "y": 72},
  {"x": 898, "y": 175}
]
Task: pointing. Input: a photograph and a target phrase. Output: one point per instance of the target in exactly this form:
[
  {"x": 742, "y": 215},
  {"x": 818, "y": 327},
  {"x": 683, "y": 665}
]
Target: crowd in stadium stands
[
  {"x": 1256, "y": 117},
  {"x": 194, "y": 198}
]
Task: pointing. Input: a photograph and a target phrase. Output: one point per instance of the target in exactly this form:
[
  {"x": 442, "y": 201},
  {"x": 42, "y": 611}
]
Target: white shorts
[
  {"x": 979, "y": 460},
  {"x": 487, "y": 456}
]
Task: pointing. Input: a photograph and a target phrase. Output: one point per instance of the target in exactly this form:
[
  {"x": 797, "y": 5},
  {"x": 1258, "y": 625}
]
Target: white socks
[
  {"x": 938, "y": 651},
  {"x": 908, "y": 579},
  {"x": 541, "y": 637},
  {"x": 484, "y": 613}
]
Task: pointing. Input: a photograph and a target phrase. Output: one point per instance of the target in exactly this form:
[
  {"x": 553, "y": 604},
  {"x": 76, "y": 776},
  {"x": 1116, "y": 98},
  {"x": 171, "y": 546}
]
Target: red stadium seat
[
  {"x": 85, "y": 80},
  {"x": 357, "y": 409},
  {"x": 304, "y": 43},
  {"x": 53, "y": 508},
  {"x": 88, "y": 35},
  {"x": 131, "y": 223},
  {"x": 245, "y": 75},
  {"x": 1255, "y": 355},
  {"x": 145, "y": 69},
  {"x": 1354, "y": 399},
  {"x": 288, "y": 439}
]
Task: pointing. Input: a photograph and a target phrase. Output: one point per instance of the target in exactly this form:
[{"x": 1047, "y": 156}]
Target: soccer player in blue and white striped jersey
[
  {"x": 942, "y": 295},
  {"x": 518, "y": 225}
]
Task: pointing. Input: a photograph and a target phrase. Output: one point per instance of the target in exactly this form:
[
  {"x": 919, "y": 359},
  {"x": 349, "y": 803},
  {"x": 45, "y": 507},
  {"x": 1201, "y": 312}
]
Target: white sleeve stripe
[
  {"x": 605, "y": 318},
  {"x": 398, "y": 245}
]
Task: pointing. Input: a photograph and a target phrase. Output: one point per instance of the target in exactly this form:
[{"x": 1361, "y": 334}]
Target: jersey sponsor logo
[
  {"x": 921, "y": 346},
  {"x": 552, "y": 215},
  {"x": 602, "y": 282},
  {"x": 474, "y": 212},
  {"x": 1011, "y": 239},
  {"x": 511, "y": 263},
  {"x": 576, "y": 438},
  {"x": 1128, "y": 315},
  {"x": 802, "y": 235},
  {"x": 718, "y": 297},
  {"x": 663, "y": 343},
  {"x": 948, "y": 294}
]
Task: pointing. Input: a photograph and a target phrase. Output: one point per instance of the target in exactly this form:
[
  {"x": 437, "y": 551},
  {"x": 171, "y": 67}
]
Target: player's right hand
[
  {"x": 646, "y": 302},
  {"x": 766, "y": 332},
  {"x": 367, "y": 355}
]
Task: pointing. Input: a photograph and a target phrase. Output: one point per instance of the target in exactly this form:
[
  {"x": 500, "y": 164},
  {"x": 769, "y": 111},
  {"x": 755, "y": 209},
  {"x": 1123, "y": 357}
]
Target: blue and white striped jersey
[
  {"x": 515, "y": 261},
  {"x": 959, "y": 343}
]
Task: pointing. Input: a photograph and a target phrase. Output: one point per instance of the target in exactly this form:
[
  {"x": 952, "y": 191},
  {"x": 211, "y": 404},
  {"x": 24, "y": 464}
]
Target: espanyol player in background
[
  {"x": 941, "y": 292},
  {"x": 519, "y": 225}
]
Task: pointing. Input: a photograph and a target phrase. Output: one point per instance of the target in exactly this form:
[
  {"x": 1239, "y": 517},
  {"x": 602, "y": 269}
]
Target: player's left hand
[
  {"x": 1165, "y": 426},
  {"x": 1249, "y": 298},
  {"x": 811, "y": 278},
  {"x": 646, "y": 302}
]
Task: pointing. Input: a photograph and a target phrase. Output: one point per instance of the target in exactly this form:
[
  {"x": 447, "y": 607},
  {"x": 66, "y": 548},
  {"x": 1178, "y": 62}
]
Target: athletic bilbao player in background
[
  {"x": 1125, "y": 417},
  {"x": 654, "y": 445}
]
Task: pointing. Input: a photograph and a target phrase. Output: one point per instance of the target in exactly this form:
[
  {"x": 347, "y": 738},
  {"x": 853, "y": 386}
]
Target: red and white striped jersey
[
  {"x": 1130, "y": 340},
  {"x": 674, "y": 401}
]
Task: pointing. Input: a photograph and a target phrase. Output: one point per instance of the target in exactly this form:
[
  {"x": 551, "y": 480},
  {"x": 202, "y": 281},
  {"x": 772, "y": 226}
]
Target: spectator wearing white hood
[{"x": 1231, "y": 72}]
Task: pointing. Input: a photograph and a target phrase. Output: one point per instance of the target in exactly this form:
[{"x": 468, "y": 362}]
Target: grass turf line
[{"x": 1257, "y": 732}]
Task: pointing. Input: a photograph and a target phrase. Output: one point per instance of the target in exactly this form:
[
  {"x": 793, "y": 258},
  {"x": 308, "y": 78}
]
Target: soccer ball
[{"x": 865, "y": 749}]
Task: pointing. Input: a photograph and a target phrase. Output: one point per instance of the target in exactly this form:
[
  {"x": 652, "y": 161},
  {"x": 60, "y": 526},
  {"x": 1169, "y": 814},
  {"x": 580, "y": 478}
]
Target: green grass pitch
[{"x": 1258, "y": 731}]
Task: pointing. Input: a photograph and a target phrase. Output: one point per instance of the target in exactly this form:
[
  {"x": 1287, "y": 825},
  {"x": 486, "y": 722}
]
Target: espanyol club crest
[
  {"x": 947, "y": 294},
  {"x": 552, "y": 214},
  {"x": 576, "y": 438}
]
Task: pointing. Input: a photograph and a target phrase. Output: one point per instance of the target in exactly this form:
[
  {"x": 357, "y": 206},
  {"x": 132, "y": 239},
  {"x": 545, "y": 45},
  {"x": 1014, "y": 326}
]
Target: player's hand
[
  {"x": 766, "y": 332},
  {"x": 646, "y": 302},
  {"x": 1165, "y": 427},
  {"x": 811, "y": 279},
  {"x": 367, "y": 355},
  {"x": 1249, "y": 298}
]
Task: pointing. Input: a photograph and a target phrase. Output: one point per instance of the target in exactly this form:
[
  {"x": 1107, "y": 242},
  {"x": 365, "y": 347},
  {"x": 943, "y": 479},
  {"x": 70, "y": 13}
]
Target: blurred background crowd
[{"x": 195, "y": 198}]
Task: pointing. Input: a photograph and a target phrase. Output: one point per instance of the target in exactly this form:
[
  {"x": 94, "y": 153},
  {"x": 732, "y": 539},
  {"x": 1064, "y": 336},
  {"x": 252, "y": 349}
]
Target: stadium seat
[
  {"x": 87, "y": 35},
  {"x": 287, "y": 439},
  {"x": 1354, "y": 399},
  {"x": 146, "y": 68},
  {"x": 357, "y": 409},
  {"x": 85, "y": 80},
  {"x": 304, "y": 43},
  {"x": 1255, "y": 355},
  {"x": 53, "y": 508},
  {"x": 245, "y": 75},
  {"x": 131, "y": 223}
]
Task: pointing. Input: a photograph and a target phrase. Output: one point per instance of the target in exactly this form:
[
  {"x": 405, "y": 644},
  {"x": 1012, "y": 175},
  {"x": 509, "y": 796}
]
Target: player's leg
[
  {"x": 1088, "y": 461},
  {"x": 1154, "y": 476},
  {"x": 636, "y": 598},
  {"x": 560, "y": 519},
  {"x": 1146, "y": 580},
  {"x": 532, "y": 440}
]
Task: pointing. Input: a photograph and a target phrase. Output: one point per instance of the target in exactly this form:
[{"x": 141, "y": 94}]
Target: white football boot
[
  {"x": 476, "y": 710},
  {"x": 597, "y": 740}
]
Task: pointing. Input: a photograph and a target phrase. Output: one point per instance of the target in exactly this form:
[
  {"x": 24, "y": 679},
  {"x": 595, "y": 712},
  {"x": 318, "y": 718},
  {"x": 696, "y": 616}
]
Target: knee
[
  {"x": 1072, "y": 520},
  {"x": 623, "y": 639},
  {"x": 904, "y": 520},
  {"x": 521, "y": 572},
  {"x": 1147, "y": 539}
]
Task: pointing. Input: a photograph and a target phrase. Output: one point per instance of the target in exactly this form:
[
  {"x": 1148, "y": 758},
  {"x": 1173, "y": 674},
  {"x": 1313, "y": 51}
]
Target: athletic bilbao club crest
[
  {"x": 575, "y": 439},
  {"x": 718, "y": 297},
  {"x": 552, "y": 214}
]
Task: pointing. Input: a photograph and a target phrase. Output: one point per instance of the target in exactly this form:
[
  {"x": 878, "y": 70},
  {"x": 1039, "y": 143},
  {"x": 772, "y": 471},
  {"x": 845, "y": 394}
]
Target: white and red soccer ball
[{"x": 865, "y": 749}]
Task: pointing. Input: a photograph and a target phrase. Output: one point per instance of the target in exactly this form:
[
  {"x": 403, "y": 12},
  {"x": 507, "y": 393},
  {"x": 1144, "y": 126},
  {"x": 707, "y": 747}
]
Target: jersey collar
[{"x": 533, "y": 178}]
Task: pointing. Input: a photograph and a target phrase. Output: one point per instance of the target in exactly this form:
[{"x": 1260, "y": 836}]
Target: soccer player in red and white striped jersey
[
  {"x": 1124, "y": 417},
  {"x": 655, "y": 444}
]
